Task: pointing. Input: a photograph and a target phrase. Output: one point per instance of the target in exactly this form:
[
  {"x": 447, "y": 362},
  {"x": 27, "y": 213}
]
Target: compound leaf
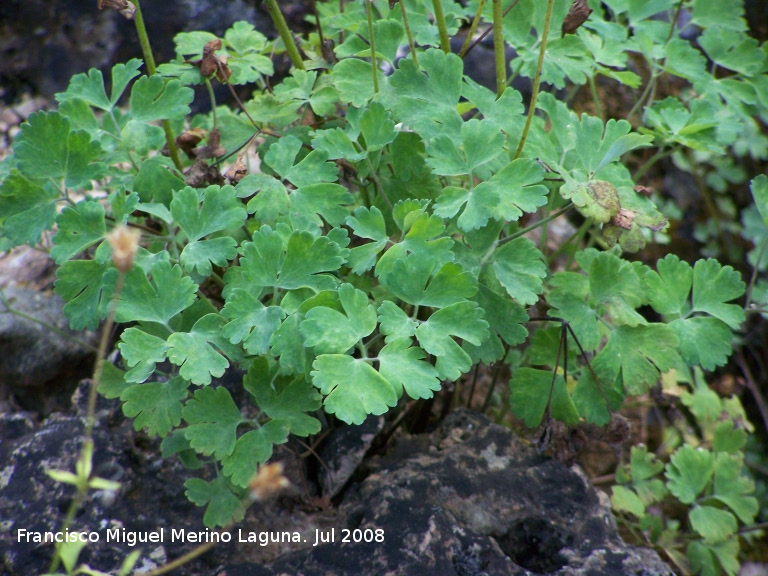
[
  {"x": 142, "y": 351},
  {"x": 353, "y": 388},
  {"x": 194, "y": 353},
  {"x": 461, "y": 320},
  {"x": 283, "y": 399},
  {"x": 250, "y": 322},
  {"x": 530, "y": 392},
  {"x": 520, "y": 269},
  {"x": 220, "y": 210},
  {"x": 732, "y": 487},
  {"x": 79, "y": 227},
  {"x": 156, "y": 300},
  {"x": 213, "y": 419},
  {"x": 689, "y": 471},
  {"x": 155, "y": 406},
  {"x": 404, "y": 367},
  {"x": 253, "y": 448},
  {"x": 82, "y": 284},
  {"x": 47, "y": 147},
  {"x": 153, "y": 98},
  {"x": 331, "y": 332},
  {"x": 223, "y": 505},
  {"x": 713, "y": 286},
  {"x": 26, "y": 209}
]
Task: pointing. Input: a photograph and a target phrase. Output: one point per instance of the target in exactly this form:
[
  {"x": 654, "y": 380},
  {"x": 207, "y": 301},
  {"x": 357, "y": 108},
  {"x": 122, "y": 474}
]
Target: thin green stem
[
  {"x": 755, "y": 272},
  {"x": 372, "y": 36},
  {"x": 535, "y": 225},
  {"x": 659, "y": 155},
  {"x": 408, "y": 33},
  {"x": 442, "y": 27},
  {"x": 285, "y": 33},
  {"x": 537, "y": 78},
  {"x": 595, "y": 98},
  {"x": 87, "y": 448},
  {"x": 488, "y": 30},
  {"x": 498, "y": 49},
  {"x": 472, "y": 29},
  {"x": 149, "y": 60}
]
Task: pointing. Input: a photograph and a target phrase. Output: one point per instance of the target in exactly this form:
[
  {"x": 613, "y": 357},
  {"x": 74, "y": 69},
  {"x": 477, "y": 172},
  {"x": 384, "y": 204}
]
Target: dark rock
[
  {"x": 41, "y": 363},
  {"x": 343, "y": 452},
  {"x": 468, "y": 500},
  {"x": 44, "y": 43}
]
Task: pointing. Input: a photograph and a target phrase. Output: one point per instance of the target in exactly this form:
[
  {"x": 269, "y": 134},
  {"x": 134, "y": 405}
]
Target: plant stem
[
  {"x": 285, "y": 33},
  {"x": 535, "y": 225},
  {"x": 372, "y": 36},
  {"x": 537, "y": 78},
  {"x": 149, "y": 60},
  {"x": 472, "y": 29},
  {"x": 442, "y": 27},
  {"x": 498, "y": 49},
  {"x": 411, "y": 43}
]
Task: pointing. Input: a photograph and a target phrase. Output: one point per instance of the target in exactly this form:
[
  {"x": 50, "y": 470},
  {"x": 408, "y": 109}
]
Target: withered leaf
[
  {"x": 237, "y": 171},
  {"x": 213, "y": 149},
  {"x": 577, "y": 15},
  {"x": 188, "y": 139}
]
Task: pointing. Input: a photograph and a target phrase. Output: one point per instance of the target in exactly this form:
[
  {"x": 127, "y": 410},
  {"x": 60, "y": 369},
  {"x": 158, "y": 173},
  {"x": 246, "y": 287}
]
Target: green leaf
[
  {"x": 598, "y": 145},
  {"x": 156, "y": 300},
  {"x": 288, "y": 344},
  {"x": 90, "y": 87},
  {"x": 153, "y": 98},
  {"x": 376, "y": 125},
  {"x": 713, "y": 286},
  {"x": 353, "y": 388},
  {"x": 26, "y": 209},
  {"x": 728, "y": 438},
  {"x": 155, "y": 406},
  {"x": 614, "y": 284},
  {"x": 224, "y": 506},
  {"x": 641, "y": 353},
  {"x": 266, "y": 262},
  {"x": 193, "y": 351},
  {"x": 481, "y": 141},
  {"x": 460, "y": 320},
  {"x": 200, "y": 255},
  {"x": 251, "y": 322},
  {"x": 713, "y": 524},
  {"x": 404, "y": 367},
  {"x": 531, "y": 391},
  {"x": 354, "y": 80},
  {"x": 759, "y": 189},
  {"x": 395, "y": 323},
  {"x": 254, "y": 448},
  {"x": 733, "y": 488},
  {"x": 213, "y": 419},
  {"x": 711, "y": 13},
  {"x": 520, "y": 269},
  {"x": 703, "y": 341},
  {"x": 367, "y": 223},
  {"x": 689, "y": 471},
  {"x": 220, "y": 210},
  {"x": 328, "y": 201},
  {"x": 625, "y": 500},
  {"x": 411, "y": 279},
  {"x": 283, "y": 399},
  {"x": 425, "y": 96},
  {"x": 331, "y": 332},
  {"x": 669, "y": 288},
  {"x": 47, "y": 147},
  {"x": 142, "y": 351},
  {"x": 79, "y": 227},
  {"x": 504, "y": 316},
  {"x": 82, "y": 284}
]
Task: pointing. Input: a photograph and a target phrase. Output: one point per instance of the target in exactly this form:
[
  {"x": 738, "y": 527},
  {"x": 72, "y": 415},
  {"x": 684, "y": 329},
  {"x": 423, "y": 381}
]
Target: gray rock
[
  {"x": 41, "y": 364},
  {"x": 469, "y": 499}
]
